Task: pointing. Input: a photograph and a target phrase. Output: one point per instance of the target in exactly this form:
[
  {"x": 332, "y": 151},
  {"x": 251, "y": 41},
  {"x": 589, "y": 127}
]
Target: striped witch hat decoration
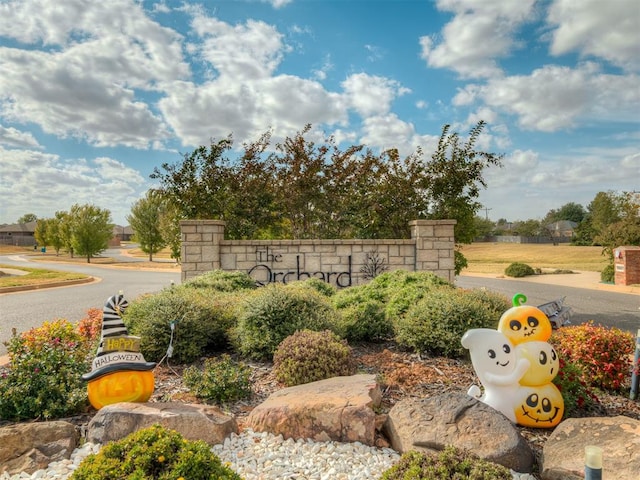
[{"x": 117, "y": 349}]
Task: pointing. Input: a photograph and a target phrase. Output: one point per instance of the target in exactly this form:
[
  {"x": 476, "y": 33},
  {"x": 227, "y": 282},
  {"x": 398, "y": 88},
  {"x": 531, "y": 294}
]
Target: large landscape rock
[
  {"x": 619, "y": 438},
  {"x": 457, "y": 419},
  {"x": 27, "y": 447},
  {"x": 339, "y": 408},
  {"x": 192, "y": 421}
]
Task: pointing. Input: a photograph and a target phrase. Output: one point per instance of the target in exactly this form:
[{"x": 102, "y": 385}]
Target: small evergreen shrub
[
  {"x": 450, "y": 464},
  {"x": 201, "y": 323},
  {"x": 308, "y": 356},
  {"x": 438, "y": 321},
  {"x": 154, "y": 453},
  {"x": 44, "y": 375},
  {"x": 220, "y": 381},
  {"x": 497, "y": 303},
  {"x": 222, "y": 281},
  {"x": 608, "y": 274},
  {"x": 518, "y": 270},
  {"x": 272, "y": 313},
  {"x": 576, "y": 394},
  {"x": 605, "y": 355},
  {"x": 365, "y": 322}
]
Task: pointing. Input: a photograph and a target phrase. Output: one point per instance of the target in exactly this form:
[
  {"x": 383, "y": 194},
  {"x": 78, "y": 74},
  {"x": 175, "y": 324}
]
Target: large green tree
[
  {"x": 145, "y": 222},
  {"x": 27, "y": 217},
  {"x": 91, "y": 229}
]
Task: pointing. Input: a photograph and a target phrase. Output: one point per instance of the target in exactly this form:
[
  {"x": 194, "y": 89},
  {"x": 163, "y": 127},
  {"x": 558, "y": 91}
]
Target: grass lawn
[{"x": 487, "y": 257}]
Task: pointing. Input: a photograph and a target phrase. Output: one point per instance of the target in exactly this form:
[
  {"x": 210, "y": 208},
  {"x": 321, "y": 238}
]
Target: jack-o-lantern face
[
  {"x": 543, "y": 359},
  {"x": 539, "y": 407},
  {"x": 525, "y": 324},
  {"x": 121, "y": 386}
]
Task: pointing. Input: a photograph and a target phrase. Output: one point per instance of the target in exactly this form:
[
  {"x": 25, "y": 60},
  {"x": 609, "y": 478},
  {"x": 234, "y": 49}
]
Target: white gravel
[{"x": 263, "y": 456}]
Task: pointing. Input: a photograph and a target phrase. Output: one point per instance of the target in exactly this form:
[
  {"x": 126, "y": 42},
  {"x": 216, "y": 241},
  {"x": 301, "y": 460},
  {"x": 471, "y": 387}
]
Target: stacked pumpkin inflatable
[{"x": 516, "y": 366}]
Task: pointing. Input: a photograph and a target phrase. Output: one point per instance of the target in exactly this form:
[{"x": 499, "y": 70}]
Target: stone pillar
[
  {"x": 435, "y": 247},
  {"x": 200, "y": 249}
]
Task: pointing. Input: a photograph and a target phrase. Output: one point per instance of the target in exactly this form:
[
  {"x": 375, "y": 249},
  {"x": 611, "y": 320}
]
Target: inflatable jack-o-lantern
[
  {"x": 524, "y": 323},
  {"x": 541, "y": 406},
  {"x": 543, "y": 360},
  {"x": 119, "y": 372}
]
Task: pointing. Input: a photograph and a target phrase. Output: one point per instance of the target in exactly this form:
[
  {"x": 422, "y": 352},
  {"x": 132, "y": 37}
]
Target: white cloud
[
  {"x": 554, "y": 97},
  {"x": 48, "y": 183},
  {"x": 12, "y": 137},
  {"x": 389, "y": 131},
  {"x": 479, "y": 33},
  {"x": 100, "y": 58},
  {"x": 608, "y": 30},
  {"x": 370, "y": 94}
]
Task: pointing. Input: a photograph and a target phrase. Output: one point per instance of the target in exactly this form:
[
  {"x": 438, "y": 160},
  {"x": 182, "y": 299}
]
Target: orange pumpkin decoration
[
  {"x": 524, "y": 323},
  {"x": 121, "y": 386}
]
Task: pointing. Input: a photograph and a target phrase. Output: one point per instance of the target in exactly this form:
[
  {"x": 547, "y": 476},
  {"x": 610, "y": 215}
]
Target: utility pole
[{"x": 486, "y": 212}]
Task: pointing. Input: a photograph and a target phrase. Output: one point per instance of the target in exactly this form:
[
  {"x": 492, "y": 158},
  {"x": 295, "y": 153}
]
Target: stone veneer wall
[{"x": 342, "y": 263}]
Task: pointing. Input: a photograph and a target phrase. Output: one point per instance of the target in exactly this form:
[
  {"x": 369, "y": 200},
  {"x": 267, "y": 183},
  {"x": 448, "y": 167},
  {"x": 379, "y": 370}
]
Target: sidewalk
[{"x": 589, "y": 280}]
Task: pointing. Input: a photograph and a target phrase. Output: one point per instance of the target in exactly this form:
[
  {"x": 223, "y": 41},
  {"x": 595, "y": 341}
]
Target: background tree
[
  {"x": 41, "y": 232},
  {"x": 483, "y": 227},
  {"x": 91, "y": 229},
  {"x": 624, "y": 231},
  {"x": 455, "y": 176},
  {"x": 145, "y": 222},
  {"x": 571, "y": 211},
  {"x": 27, "y": 217},
  {"x": 170, "y": 218},
  {"x": 65, "y": 230},
  {"x": 528, "y": 228}
]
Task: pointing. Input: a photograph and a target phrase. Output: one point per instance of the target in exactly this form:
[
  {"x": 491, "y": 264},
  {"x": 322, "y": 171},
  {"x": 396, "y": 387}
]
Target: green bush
[
  {"x": 308, "y": 356},
  {"x": 318, "y": 285},
  {"x": 497, "y": 303},
  {"x": 450, "y": 464},
  {"x": 608, "y": 274},
  {"x": 518, "y": 270},
  {"x": 364, "y": 322},
  {"x": 201, "y": 322},
  {"x": 436, "y": 323},
  {"x": 605, "y": 355},
  {"x": 44, "y": 378},
  {"x": 220, "y": 381},
  {"x": 222, "y": 281},
  {"x": 272, "y": 313},
  {"x": 154, "y": 453}
]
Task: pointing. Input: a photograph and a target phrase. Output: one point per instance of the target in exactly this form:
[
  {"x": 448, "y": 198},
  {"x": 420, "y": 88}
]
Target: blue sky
[{"x": 95, "y": 94}]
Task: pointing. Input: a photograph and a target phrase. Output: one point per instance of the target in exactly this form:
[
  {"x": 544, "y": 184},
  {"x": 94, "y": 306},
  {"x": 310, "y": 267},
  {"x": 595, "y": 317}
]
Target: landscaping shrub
[
  {"x": 364, "y": 322},
  {"x": 308, "y": 356},
  {"x": 272, "y": 313},
  {"x": 437, "y": 322},
  {"x": 44, "y": 376},
  {"x": 90, "y": 327},
  {"x": 576, "y": 394},
  {"x": 497, "y": 303},
  {"x": 318, "y": 285},
  {"x": 450, "y": 464},
  {"x": 222, "y": 281},
  {"x": 605, "y": 355},
  {"x": 608, "y": 274},
  {"x": 201, "y": 322},
  {"x": 518, "y": 270},
  {"x": 154, "y": 453},
  {"x": 221, "y": 380}
]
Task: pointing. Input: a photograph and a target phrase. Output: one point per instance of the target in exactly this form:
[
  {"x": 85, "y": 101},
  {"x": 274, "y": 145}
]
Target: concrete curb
[{"x": 66, "y": 283}]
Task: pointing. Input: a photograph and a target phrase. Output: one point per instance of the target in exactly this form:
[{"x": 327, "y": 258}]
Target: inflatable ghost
[{"x": 498, "y": 368}]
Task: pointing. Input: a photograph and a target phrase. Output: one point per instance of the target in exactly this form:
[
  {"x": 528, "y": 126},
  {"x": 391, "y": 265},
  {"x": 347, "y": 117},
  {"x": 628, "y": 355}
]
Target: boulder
[
  {"x": 619, "y": 437},
  {"x": 430, "y": 424},
  {"x": 192, "y": 421},
  {"x": 27, "y": 447},
  {"x": 339, "y": 409}
]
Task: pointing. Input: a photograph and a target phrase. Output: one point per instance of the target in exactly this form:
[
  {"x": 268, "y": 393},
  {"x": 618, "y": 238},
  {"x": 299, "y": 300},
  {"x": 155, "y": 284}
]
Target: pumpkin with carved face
[
  {"x": 524, "y": 323},
  {"x": 539, "y": 407},
  {"x": 543, "y": 362},
  {"x": 121, "y": 386}
]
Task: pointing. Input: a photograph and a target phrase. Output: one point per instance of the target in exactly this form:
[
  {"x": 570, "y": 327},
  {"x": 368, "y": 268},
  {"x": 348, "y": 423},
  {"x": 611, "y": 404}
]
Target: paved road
[
  {"x": 612, "y": 309},
  {"x": 24, "y": 310}
]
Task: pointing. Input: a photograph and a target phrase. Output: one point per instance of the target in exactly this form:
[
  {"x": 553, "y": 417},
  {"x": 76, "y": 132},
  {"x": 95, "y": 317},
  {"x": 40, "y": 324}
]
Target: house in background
[
  {"x": 121, "y": 234},
  {"x": 562, "y": 230},
  {"x": 18, "y": 234}
]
